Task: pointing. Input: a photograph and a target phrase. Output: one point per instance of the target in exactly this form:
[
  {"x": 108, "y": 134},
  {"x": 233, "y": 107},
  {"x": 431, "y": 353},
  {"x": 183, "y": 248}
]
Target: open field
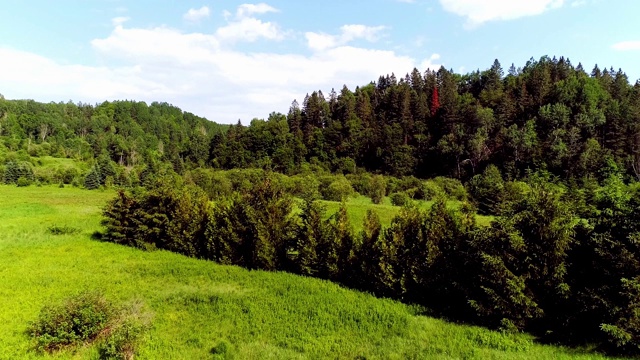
[{"x": 198, "y": 305}]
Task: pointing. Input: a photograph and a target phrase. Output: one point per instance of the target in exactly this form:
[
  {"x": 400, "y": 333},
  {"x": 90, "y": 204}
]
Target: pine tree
[{"x": 92, "y": 179}]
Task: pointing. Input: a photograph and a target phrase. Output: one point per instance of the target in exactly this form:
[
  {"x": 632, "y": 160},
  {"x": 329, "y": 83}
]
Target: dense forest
[
  {"x": 550, "y": 151},
  {"x": 547, "y": 115}
]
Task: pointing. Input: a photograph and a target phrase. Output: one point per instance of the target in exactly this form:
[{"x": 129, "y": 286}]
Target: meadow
[{"x": 202, "y": 310}]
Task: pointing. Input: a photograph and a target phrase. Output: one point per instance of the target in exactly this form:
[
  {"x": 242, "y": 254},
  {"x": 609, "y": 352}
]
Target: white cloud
[
  {"x": 250, "y": 29},
  {"x": 245, "y": 27},
  {"x": 200, "y": 72},
  {"x": 251, "y": 9},
  {"x": 480, "y": 11},
  {"x": 195, "y": 15},
  {"x": 626, "y": 46},
  {"x": 348, "y": 33}
]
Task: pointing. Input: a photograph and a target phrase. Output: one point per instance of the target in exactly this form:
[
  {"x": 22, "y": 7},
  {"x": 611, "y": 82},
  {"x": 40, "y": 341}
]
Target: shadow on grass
[{"x": 98, "y": 236}]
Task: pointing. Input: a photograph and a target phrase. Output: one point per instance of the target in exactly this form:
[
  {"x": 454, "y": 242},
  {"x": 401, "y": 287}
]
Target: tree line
[
  {"x": 547, "y": 115},
  {"x": 560, "y": 265}
]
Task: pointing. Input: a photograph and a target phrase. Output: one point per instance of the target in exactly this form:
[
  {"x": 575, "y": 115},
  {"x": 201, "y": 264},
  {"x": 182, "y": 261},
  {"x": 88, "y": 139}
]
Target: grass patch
[{"x": 203, "y": 310}]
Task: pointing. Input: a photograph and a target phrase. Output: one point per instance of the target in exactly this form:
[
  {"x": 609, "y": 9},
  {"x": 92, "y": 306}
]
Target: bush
[
  {"x": 377, "y": 189},
  {"x": 452, "y": 187},
  {"x": 125, "y": 334},
  {"x": 89, "y": 316},
  {"x": 62, "y": 230},
  {"x": 400, "y": 199},
  {"x": 429, "y": 190},
  {"x": 305, "y": 186},
  {"x": 23, "y": 182},
  {"x": 79, "y": 318},
  {"x": 337, "y": 190}
]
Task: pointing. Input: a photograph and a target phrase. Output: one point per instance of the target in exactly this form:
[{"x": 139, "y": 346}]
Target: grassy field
[
  {"x": 199, "y": 305},
  {"x": 357, "y": 210}
]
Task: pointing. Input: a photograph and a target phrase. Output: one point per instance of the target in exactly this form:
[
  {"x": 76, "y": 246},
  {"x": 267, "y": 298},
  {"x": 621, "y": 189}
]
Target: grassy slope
[{"x": 198, "y": 303}]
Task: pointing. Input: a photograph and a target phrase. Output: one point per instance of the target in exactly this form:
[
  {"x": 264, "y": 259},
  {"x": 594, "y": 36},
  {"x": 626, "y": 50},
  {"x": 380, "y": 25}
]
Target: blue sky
[{"x": 229, "y": 60}]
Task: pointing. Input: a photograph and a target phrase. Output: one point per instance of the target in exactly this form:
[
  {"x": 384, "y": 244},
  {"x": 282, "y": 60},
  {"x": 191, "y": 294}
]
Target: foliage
[
  {"x": 77, "y": 319},
  {"x": 251, "y": 311},
  {"x": 400, "y": 199},
  {"x": 125, "y": 332},
  {"x": 337, "y": 189}
]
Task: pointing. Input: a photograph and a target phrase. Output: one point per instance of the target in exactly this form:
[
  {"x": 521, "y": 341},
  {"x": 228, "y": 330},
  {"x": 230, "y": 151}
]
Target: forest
[{"x": 550, "y": 152}]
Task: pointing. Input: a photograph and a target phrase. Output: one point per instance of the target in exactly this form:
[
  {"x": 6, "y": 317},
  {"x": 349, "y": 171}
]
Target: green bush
[
  {"x": 429, "y": 190},
  {"x": 452, "y": 187},
  {"x": 125, "y": 334},
  {"x": 377, "y": 189},
  {"x": 337, "y": 190},
  {"x": 400, "y": 199},
  {"x": 23, "y": 182},
  {"x": 305, "y": 186},
  {"x": 77, "y": 319}
]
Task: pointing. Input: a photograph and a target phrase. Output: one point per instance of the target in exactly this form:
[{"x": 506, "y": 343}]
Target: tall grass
[{"x": 204, "y": 310}]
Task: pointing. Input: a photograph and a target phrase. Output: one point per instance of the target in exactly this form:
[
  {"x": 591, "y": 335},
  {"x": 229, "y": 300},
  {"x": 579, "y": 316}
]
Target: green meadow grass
[
  {"x": 206, "y": 311},
  {"x": 357, "y": 210}
]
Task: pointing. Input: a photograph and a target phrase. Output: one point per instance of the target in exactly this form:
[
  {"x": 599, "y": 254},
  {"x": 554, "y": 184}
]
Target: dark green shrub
[
  {"x": 77, "y": 319},
  {"x": 487, "y": 190},
  {"x": 400, "y": 199},
  {"x": 62, "y": 230},
  {"x": 15, "y": 170},
  {"x": 93, "y": 179},
  {"x": 222, "y": 350}
]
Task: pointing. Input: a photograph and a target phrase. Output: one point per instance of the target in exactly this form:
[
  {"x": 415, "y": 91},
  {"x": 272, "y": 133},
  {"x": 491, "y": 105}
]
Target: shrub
[
  {"x": 62, "y": 230},
  {"x": 13, "y": 171},
  {"x": 223, "y": 348},
  {"x": 125, "y": 334},
  {"x": 23, "y": 182},
  {"x": 400, "y": 199},
  {"x": 487, "y": 190},
  {"x": 452, "y": 187},
  {"x": 79, "y": 318},
  {"x": 337, "y": 190},
  {"x": 305, "y": 186},
  {"x": 429, "y": 190},
  {"x": 377, "y": 189}
]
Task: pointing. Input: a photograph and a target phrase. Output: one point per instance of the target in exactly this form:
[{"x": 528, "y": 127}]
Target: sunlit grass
[{"x": 198, "y": 305}]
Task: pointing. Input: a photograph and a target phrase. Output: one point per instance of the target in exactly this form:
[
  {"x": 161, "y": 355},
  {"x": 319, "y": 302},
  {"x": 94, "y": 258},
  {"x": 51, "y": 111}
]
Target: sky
[{"x": 233, "y": 60}]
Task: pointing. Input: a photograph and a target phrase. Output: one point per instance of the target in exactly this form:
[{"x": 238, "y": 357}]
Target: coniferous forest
[{"x": 549, "y": 150}]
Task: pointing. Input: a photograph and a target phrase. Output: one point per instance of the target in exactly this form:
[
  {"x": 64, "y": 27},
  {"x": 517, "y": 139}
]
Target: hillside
[
  {"x": 545, "y": 115},
  {"x": 199, "y": 305}
]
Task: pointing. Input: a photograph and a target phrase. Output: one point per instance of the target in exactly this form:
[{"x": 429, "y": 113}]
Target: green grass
[
  {"x": 357, "y": 209},
  {"x": 199, "y": 306}
]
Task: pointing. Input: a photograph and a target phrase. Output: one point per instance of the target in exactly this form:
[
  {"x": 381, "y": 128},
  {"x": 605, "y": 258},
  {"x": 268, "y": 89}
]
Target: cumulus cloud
[
  {"x": 348, "y": 33},
  {"x": 201, "y": 72},
  {"x": 246, "y": 27},
  {"x": 626, "y": 46},
  {"x": 195, "y": 15},
  {"x": 481, "y": 11}
]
